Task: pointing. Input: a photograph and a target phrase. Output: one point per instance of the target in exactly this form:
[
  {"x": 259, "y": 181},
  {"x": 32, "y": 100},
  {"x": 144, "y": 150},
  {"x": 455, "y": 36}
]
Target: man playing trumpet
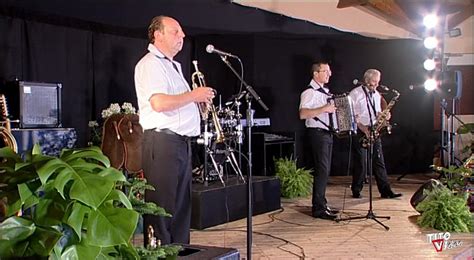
[{"x": 170, "y": 117}]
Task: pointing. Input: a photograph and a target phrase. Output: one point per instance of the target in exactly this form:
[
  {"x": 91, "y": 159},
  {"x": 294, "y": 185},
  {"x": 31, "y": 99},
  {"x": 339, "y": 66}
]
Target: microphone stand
[
  {"x": 248, "y": 97},
  {"x": 369, "y": 161}
]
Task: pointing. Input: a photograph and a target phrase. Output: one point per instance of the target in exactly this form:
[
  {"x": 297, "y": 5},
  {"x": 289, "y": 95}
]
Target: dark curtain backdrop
[{"x": 96, "y": 69}]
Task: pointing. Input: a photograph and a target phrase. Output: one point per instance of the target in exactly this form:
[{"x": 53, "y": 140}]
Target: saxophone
[
  {"x": 204, "y": 108},
  {"x": 5, "y": 129},
  {"x": 381, "y": 123}
]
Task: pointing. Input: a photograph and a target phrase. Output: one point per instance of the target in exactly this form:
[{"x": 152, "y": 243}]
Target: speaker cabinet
[
  {"x": 451, "y": 84},
  {"x": 33, "y": 104},
  {"x": 198, "y": 252},
  {"x": 419, "y": 195}
]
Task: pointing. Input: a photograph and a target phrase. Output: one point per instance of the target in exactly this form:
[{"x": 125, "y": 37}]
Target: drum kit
[
  {"x": 220, "y": 149},
  {"x": 220, "y": 136}
]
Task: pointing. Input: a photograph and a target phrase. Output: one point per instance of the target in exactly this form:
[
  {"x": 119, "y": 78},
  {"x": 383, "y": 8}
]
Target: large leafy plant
[
  {"x": 294, "y": 181},
  {"x": 70, "y": 207}
]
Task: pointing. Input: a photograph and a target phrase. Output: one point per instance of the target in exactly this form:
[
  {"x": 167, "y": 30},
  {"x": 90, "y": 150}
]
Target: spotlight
[
  {"x": 456, "y": 32},
  {"x": 430, "y": 42},
  {"x": 430, "y": 21},
  {"x": 430, "y": 84},
  {"x": 429, "y": 64}
]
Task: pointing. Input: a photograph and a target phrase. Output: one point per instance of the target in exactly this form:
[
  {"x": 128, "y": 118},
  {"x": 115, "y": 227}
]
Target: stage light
[
  {"x": 430, "y": 84},
  {"x": 430, "y": 42},
  {"x": 429, "y": 64},
  {"x": 430, "y": 21},
  {"x": 456, "y": 32}
]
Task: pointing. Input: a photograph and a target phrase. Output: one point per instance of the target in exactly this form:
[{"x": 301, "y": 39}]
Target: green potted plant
[
  {"x": 467, "y": 129},
  {"x": 445, "y": 211},
  {"x": 294, "y": 181},
  {"x": 445, "y": 207},
  {"x": 66, "y": 207}
]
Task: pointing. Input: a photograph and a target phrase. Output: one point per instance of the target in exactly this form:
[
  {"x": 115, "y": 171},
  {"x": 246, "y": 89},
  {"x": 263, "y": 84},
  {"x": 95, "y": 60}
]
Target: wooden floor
[{"x": 291, "y": 233}]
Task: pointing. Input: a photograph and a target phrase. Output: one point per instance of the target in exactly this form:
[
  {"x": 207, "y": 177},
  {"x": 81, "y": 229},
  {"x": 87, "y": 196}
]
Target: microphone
[
  {"x": 210, "y": 49},
  {"x": 356, "y": 82},
  {"x": 385, "y": 88}
]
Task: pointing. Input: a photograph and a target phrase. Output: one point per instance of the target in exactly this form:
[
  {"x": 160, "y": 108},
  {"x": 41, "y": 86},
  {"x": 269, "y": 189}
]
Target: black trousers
[
  {"x": 360, "y": 170},
  {"x": 167, "y": 166},
  {"x": 321, "y": 146}
]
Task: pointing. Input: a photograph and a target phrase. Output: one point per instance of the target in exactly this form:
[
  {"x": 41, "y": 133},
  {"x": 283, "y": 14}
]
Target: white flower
[
  {"x": 93, "y": 124},
  {"x": 114, "y": 108},
  {"x": 128, "y": 108}
]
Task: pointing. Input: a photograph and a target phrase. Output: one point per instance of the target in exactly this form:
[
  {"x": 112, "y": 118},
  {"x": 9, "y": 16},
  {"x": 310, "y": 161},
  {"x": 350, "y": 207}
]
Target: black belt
[
  {"x": 320, "y": 130},
  {"x": 169, "y": 132}
]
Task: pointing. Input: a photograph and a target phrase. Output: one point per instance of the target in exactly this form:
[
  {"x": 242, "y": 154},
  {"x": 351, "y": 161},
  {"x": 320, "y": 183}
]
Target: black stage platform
[{"x": 215, "y": 204}]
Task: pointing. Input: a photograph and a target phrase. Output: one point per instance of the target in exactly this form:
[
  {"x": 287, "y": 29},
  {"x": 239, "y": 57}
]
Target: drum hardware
[
  {"x": 218, "y": 169},
  {"x": 221, "y": 152}
]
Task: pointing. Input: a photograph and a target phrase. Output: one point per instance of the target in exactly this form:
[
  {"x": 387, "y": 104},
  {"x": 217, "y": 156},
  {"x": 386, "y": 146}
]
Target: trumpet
[{"x": 205, "y": 108}]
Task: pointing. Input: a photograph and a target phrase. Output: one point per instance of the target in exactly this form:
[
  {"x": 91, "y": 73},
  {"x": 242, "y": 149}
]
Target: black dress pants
[
  {"x": 167, "y": 166},
  {"x": 321, "y": 146},
  {"x": 360, "y": 170}
]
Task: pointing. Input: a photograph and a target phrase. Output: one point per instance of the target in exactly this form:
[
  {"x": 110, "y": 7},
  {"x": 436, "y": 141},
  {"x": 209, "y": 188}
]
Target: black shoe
[
  {"x": 324, "y": 215},
  {"x": 332, "y": 210},
  {"x": 391, "y": 195},
  {"x": 356, "y": 195}
]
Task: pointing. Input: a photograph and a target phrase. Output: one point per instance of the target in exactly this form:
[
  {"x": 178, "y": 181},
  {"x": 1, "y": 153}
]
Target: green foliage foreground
[
  {"x": 70, "y": 206},
  {"x": 445, "y": 211}
]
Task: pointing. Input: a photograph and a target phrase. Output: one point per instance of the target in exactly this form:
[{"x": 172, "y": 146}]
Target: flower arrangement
[{"x": 114, "y": 108}]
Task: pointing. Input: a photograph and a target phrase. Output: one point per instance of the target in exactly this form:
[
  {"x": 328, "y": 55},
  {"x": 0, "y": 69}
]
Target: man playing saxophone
[
  {"x": 170, "y": 117},
  {"x": 368, "y": 113}
]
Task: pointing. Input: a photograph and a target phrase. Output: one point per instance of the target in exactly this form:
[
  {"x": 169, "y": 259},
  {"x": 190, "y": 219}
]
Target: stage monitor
[
  {"x": 451, "y": 84},
  {"x": 34, "y": 104}
]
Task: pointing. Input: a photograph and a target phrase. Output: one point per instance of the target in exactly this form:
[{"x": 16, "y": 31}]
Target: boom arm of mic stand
[
  {"x": 247, "y": 86},
  {"x": 444, "y": 106}
]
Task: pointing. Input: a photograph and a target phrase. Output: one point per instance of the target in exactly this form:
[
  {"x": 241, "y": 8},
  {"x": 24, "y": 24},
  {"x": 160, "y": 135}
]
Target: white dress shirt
[
  {"x": 154, "y": 74},
  {"x": 363, "y": 100},
  {"x": 314, "y": 98}
]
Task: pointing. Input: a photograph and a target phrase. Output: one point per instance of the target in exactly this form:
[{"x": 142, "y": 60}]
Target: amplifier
[{"x": 33, "y": 104}]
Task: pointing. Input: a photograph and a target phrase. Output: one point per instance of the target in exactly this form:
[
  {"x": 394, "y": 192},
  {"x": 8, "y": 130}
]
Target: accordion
[{"x": 345, "y": 119}]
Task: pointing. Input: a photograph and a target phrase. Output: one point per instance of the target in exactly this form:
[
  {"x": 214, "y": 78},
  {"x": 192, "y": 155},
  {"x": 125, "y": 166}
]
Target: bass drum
[{"x": 7, "y": 139}]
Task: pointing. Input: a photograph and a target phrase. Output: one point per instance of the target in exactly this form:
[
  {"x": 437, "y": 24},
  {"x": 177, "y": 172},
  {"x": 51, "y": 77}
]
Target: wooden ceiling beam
[
  {"x": 350, "y": 3},
  {"x": 458, "y": 18},
  {"x": 393, "y": 12}
]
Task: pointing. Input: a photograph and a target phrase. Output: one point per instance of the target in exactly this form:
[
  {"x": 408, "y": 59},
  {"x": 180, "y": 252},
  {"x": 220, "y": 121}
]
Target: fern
[
  {"x": 445, "y": 211},
  {"x": 294, "y": 181}
]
